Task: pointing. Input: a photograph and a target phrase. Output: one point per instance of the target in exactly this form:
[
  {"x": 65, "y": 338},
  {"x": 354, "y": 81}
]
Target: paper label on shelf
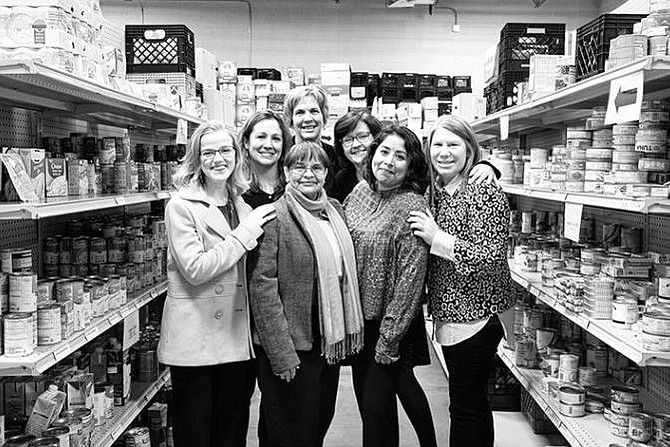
[
  {"x": 131, "y": 329},
  {"x": 62, "y": 351},
  {"x": 115, "y": 432},
  {"x": 182, "y": 132},
  {"x": 91, "y": 332},
  {"x": 625, "y": 99},
  {"x": 504, "y": 127},
  {"x": 121, "y": 201},
  {"x": 573, "y": 220}
]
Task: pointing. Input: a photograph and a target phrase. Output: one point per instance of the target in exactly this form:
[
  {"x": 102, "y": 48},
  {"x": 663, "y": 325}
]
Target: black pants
[
  {"x": 298, "y": 413},
  {"x": 376, "y": 387},
  {"x": 469, "y": 364},
  {"x": 211, "y": 404}
]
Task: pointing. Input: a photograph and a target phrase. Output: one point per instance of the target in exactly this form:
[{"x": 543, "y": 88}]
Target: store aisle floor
[{"x": 512, "y": 430}]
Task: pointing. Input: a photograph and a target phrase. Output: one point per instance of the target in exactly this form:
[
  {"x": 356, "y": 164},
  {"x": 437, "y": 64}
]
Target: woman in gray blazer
[
  {"x": 305, "y": 304},
  {"x": 205, "y": 331}
]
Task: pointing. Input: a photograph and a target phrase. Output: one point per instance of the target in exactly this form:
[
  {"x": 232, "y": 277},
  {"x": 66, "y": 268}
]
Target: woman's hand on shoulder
[
  {"x": 384, "y": 359},
  {"x": 482, "y": 174},
  {"x": 423, "y": 225},
  {"x": 261, "y": 215}
]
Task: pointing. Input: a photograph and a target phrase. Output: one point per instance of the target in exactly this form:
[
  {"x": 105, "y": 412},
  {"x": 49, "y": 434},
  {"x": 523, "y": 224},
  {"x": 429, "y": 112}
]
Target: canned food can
[
  {"x": 587, "y": 375},
  {"x": 45, "y": 442},
  {"x": 80, "y": 250},
  {"x": 65, "y": 269},
  {"x": 65, "y": 250},
  {"x": 571, "y": 394},
  {"x": 120, "y": 177},
  {"x": 61, "y": 433},
  {"x": 65, "y": 290},
  {"x": 640, "y": 427},
  {"x": 98, "y": 250},
  {"x": 624, "y": 312},
  {"x": 45, "y": 290},
  {"x": 48, "y": 324},
  {"x": 22, "y": 292},
  {"x": 572, "y": 410},
  {"x": 624, "y": 408},
  {"x": 19, "y": 441},
  {"x": 17, "y": 260},
  {"x": 4, "y": 293},
  {"x": 18, "y": 334},
  {"x": 116, "y": 247},
  {"x": 137, "y": 437}
]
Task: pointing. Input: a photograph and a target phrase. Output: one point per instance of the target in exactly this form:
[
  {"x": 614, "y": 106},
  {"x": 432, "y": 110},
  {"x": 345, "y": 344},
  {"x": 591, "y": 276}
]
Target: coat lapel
[{"x": 212, "y": 216}]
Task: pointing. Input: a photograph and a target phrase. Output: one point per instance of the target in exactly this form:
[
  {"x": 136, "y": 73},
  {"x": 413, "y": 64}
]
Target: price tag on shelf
[
  {"x": 573, "y": 220},
  {"x": 62, "y": 351},
  {"x": 504, "y": 127},
  {"x": 91, "y": 332},
  {"x": 182, "y": 132},
  {"x": 116, "y": 432},
  {"x": 135, "y": 305},
  {"x": 120, "y": 201}
]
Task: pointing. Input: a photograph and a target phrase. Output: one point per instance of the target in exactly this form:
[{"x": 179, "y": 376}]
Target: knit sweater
[
  {"x": 391, "y": 261},
  {"x": 477, "y": 283}
]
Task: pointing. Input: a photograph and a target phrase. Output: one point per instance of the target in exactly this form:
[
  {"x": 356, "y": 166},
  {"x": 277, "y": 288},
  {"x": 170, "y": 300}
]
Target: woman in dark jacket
[{"x": 305, "y": 304}]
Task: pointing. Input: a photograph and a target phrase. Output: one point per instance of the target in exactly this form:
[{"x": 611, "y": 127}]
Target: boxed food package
[
  {"x": 80, "y": 391},
  {"x": 17, "y": 184},
  {"x": 56, "y": 177},
  {"x": 33, "y": 160},
  {"x": 206, "y": 65},
  {"x": 77, "y": 176}
]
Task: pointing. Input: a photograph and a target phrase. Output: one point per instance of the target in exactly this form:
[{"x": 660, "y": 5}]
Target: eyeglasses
[
  {"x": 224, "y": 151},
  {"x": 363, "y": 137},
  {"x": 316, "y": 169}
]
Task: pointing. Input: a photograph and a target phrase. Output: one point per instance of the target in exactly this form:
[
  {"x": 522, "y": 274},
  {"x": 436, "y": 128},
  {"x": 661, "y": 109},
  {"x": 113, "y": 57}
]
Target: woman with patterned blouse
[
  {"x": 469, "y": 283},
  {"x": 391, "y": 265}
]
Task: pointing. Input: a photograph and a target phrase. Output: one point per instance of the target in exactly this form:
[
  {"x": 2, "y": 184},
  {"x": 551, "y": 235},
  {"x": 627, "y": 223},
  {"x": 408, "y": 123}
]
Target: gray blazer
[{"x": 283, "y": 287}]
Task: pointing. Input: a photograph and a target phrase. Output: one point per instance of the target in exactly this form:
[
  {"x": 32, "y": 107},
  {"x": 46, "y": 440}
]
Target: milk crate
[
  {"x": 502, "y": 93},
  {"x": 537, "y": 419},
  {"x": 519, "y": 41},
  {"x": 160, "y": 49},
  {"x": 181, "y": 82},
  {"x": 503, "y": 389},
  {"x": 593, "y": 41},
  {"x": 269, "y": 74}
]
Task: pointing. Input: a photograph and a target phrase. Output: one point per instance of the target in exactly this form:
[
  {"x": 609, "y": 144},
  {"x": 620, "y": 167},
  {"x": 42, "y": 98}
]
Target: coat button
[
  {"x": 218, "y": 315},
  {"x": 218, "y": 290}
]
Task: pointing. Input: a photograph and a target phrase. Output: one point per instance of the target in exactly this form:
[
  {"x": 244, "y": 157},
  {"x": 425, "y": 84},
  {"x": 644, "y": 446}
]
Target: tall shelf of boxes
[
  {"x": 43, "y": 96},
  {"x": 595, "y": 304}
]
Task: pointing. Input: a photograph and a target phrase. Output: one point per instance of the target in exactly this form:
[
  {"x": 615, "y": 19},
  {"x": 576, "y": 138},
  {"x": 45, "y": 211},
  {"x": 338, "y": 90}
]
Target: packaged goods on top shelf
[{"x": 83, "y": 166}]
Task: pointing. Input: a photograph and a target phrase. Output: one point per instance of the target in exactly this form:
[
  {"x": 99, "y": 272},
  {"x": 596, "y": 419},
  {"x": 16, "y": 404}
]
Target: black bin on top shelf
[{"x": 160, "y": 49}]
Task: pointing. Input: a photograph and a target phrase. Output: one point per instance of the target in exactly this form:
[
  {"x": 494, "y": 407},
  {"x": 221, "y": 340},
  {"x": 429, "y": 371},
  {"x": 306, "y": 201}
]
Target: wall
[
  {"x": 363, "y": 33},
  {"x": 624, "y": 6}
]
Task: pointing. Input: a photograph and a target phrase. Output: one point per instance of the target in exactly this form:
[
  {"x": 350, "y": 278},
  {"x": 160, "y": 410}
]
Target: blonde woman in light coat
[{"x": 205, "y": 331}]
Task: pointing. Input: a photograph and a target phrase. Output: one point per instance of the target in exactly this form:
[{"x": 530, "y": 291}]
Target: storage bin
[
  {"x": 593, "y": 41},
  {"x": 160, "y": 49},
  {"x": 503, "y": 389},
  {"x": 537, "y": 419}
]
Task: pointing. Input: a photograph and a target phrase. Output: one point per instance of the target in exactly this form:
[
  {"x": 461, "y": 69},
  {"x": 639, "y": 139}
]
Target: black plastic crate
[
  {"x": 458, "y": 91},
  {"x": 593, "y": 41},
  {"x": 409, "y": 80},
  {"x": 538, "y": 420},
  {"x": 515, "y": 29},
  {"x": 514, "y": 52},
  {"x": 391, "y": 95},
  {"x": 494, "y": 101},
  {"x": 409, "y": 94},
  {"x": 425, "y": 92},
  {"x": 445, "y": 94},
  {"x": 393, "y": 80},
  {"x": 373, "y": 87},
  {"x": 160, "y": 49},
  {"x": 444, "y": 82},
  {"x": 199, "y": 91},
  {"x": 503, "y": 390},
  {"x": 462, "y": 82},
  {"x": 427, "y": 81},
  {"x": 269, "y": 74},
  {"x": 247, "y": 71},
  {"x": 444, "y": 108},
  {"x": 502, "y": 93},
  {"x": 358, "y": 79}
]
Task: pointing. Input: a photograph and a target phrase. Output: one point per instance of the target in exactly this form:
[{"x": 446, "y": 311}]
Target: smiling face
[
  {"x": 217, "y": 156},
  {"x": 307, "y": 120},
  {"x": 356, "y": 143},
  {"x": 390, "y": 163},
  {"x": 265, "y": 143},
  {"x": 307, "y": 176},
  {"x": 448, "y": 154}
]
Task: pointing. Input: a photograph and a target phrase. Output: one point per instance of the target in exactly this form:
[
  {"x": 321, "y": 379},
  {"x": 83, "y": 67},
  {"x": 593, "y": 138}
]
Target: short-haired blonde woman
[
  {"x": 306, "y": 113},
  {"x": 205, "y": 332},
  {"x": 469, "y": 283},
  {"x": 305, "y": 303}
]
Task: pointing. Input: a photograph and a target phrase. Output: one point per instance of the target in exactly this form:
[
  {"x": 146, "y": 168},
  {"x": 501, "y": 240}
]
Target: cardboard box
[
  {"x": 33, "y": 160},
  {"x": 227, "y": 72},
  {"x": 56, "y": 177},
  {"x": 206, "y": 65},
  {"x": 245, "y": 91},
  {"x": 244, "y": 112},
  {"x": 77, "y": 177},
  {"x": 296, "y": 75},
  {"x": 213, "y": 99}
]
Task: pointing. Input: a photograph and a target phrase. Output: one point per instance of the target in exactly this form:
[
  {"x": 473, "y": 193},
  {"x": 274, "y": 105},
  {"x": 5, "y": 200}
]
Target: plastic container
[{"x": 160, "y": 49}]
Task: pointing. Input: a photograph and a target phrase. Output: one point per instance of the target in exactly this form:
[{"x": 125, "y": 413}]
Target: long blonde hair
[{"x": 189, "y": 169}]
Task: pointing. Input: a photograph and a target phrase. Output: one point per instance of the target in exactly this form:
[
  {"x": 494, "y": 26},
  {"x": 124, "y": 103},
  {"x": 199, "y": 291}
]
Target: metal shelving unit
[
  {"x": 45, "y": 357},
  {"x": 576, "y": 101},
  {"x": 624, "y": 341},
  {"x": 140, "y": 395},
  {"x": 647, "y": 205},
  {"x": 36, "y": 86},
  {"x": 62, "y": 206}
]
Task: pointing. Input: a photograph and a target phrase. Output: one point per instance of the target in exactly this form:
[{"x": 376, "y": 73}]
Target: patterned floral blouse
[
  {"x": 477, "y": 283},
  {"x": 391, "y": 261}
]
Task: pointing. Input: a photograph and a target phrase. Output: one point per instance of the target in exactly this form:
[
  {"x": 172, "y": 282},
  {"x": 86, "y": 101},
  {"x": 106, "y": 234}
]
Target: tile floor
[{"x": 512, "y": 430}]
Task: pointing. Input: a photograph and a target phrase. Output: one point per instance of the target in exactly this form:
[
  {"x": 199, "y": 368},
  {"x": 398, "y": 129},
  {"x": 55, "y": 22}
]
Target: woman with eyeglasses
[
  {"x": 354, "y": 133},
  {"x": 205, "y": 331},
  {"x": 305, "y": 304}
]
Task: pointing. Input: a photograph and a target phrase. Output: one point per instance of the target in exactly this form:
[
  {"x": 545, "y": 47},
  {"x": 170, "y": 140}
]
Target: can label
[
  {"x": 98, "y": 251},
  {"x": 48, "y": 324},
  {"x": 17, "y": 261},
  {"x": 18, "y": 335},
  {"x": 22, "y": 292}
]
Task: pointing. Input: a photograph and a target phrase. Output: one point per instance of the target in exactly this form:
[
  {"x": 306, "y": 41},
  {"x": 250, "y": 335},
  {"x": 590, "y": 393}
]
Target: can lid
[{"x": 45, "y": 442}]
